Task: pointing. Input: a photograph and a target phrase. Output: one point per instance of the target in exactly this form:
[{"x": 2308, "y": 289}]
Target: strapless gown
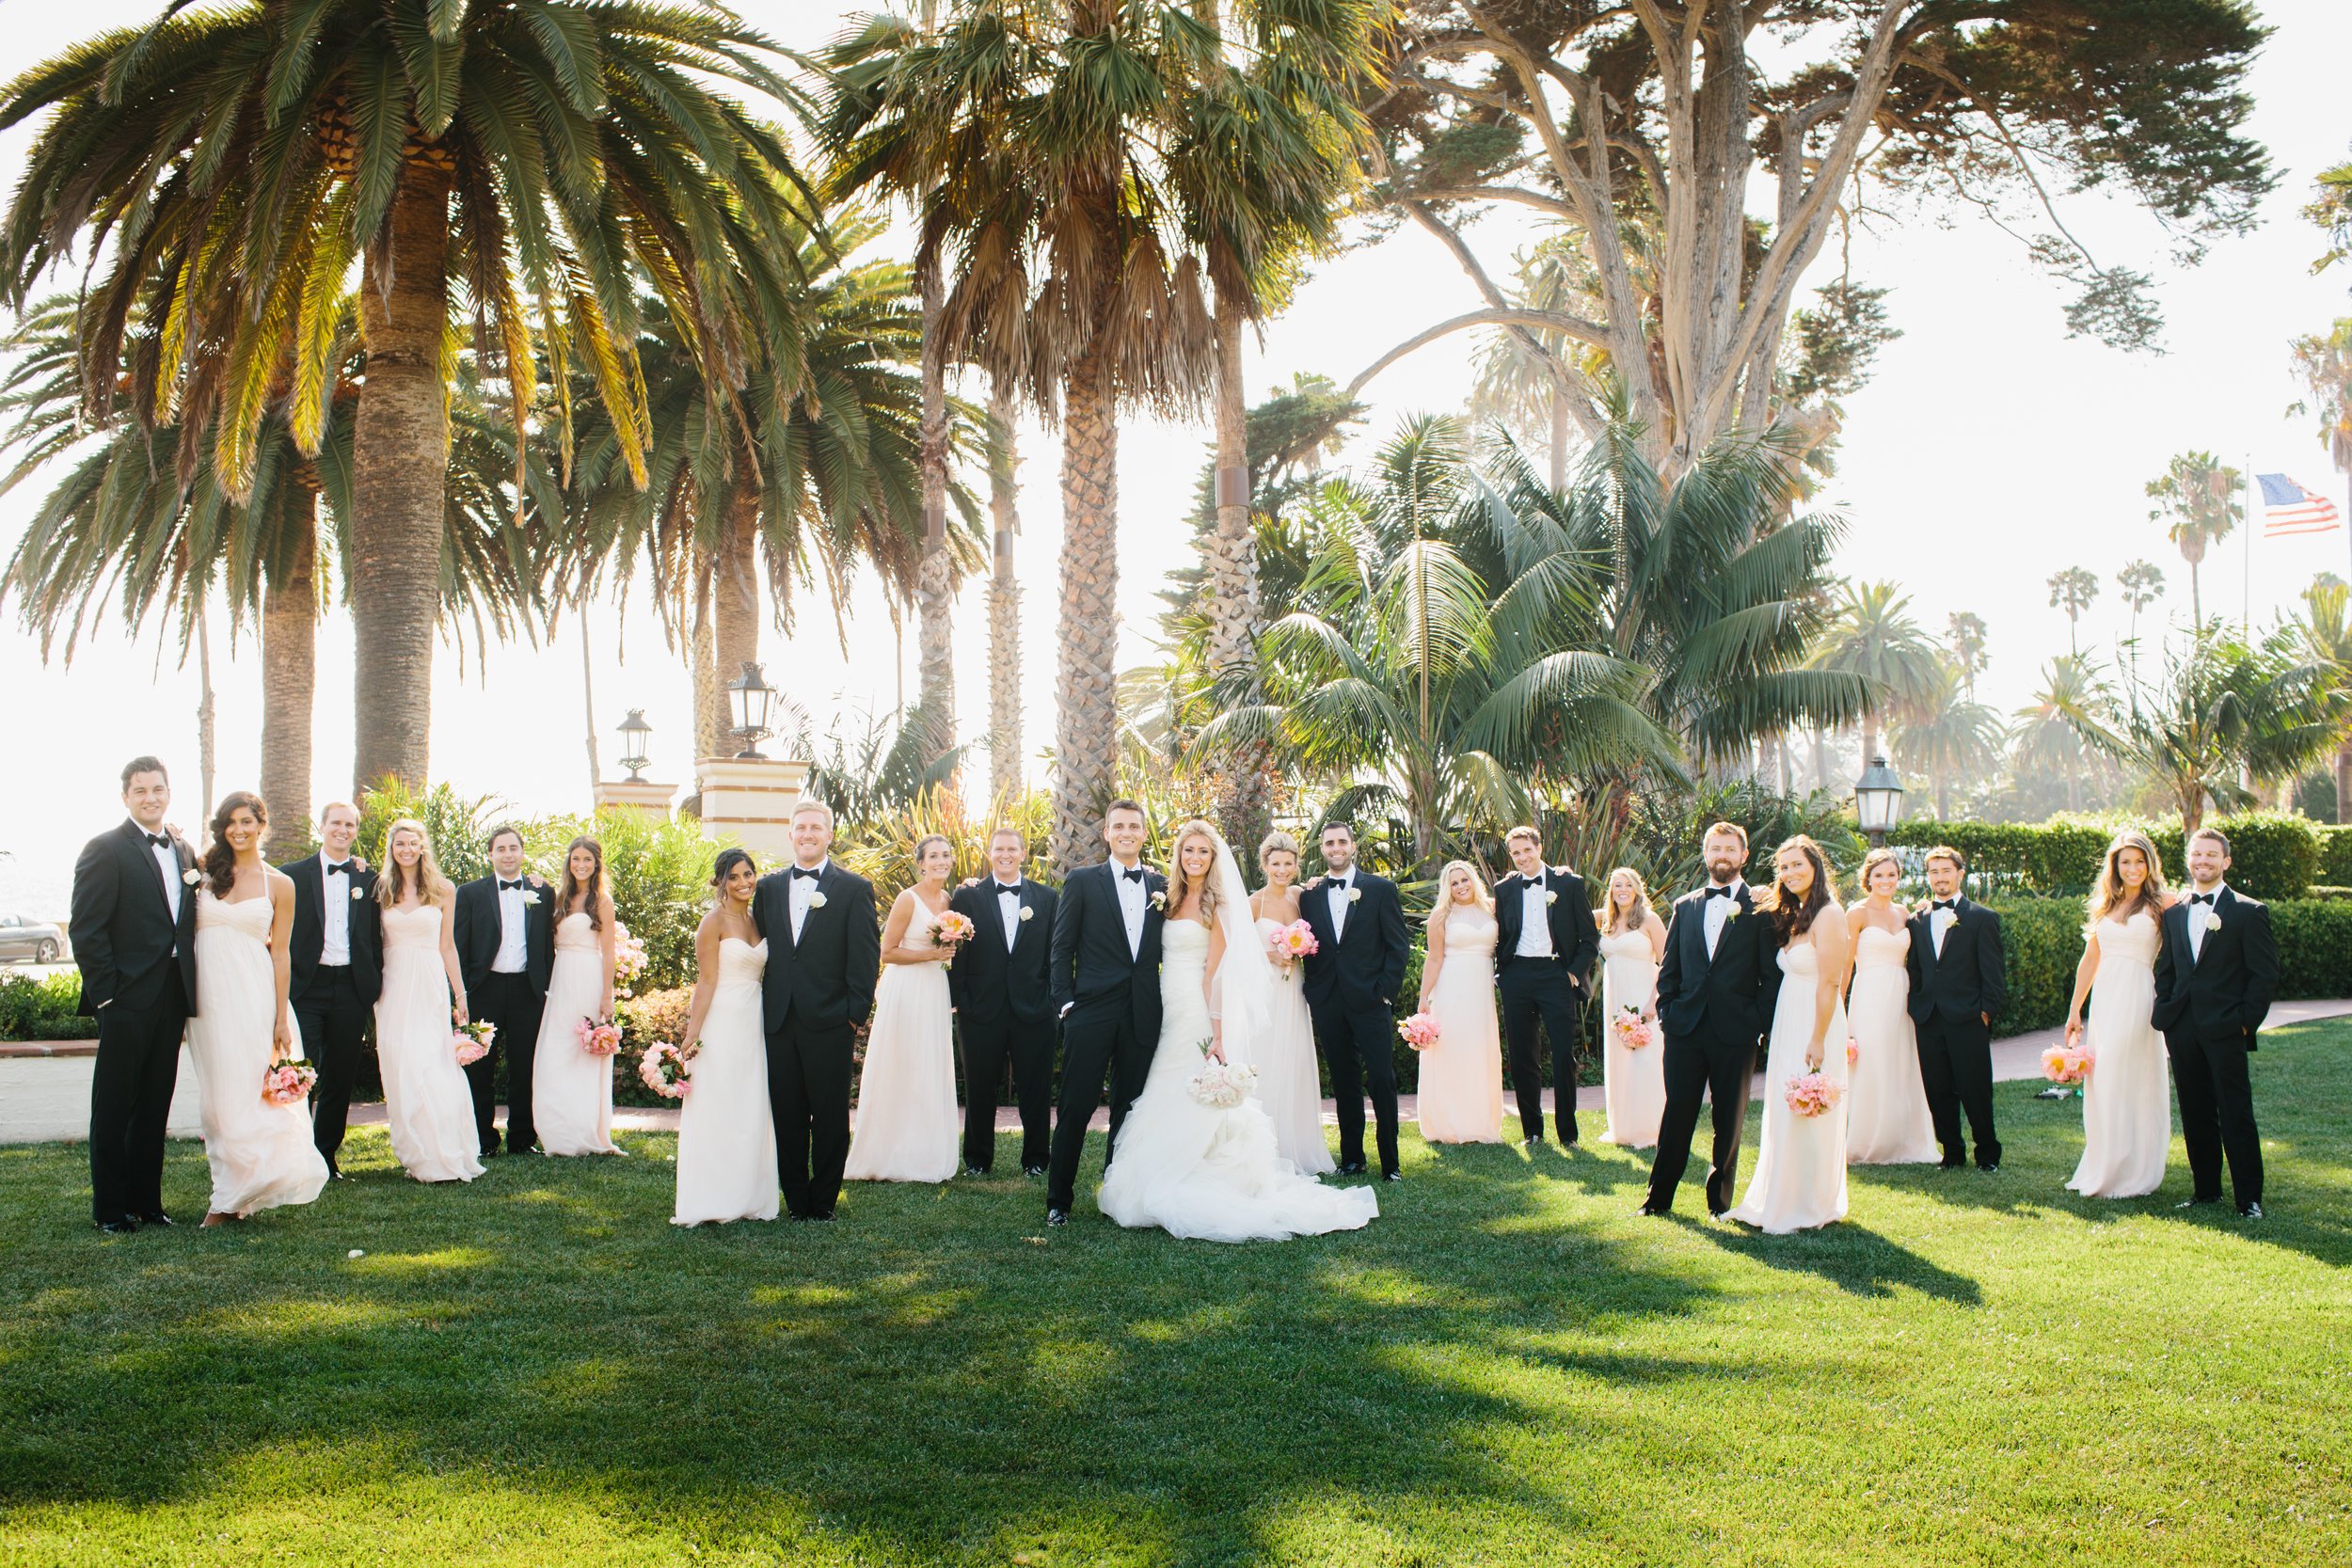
[
  {"x": 427, "y": 1103},
  {"x": 261, "y": 1155},
  {"x": 726, "y": 1136},
  {"x": 908, "y": 1127},
  {"x": 1458, "y": 1097},
  {"x": 1886, "y": 1106},
  {"x": 1800, "y": 1178},
  {"x": 2128, "y": 1124},
  {"x": 571, "y": 1091},
  {"x": 1288, "y": 1084},
  {"x": 1634, "y": 1083}
]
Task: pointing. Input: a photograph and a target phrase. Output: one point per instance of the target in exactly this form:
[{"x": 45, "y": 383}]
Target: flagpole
[{"x": 2246, "y": 561}]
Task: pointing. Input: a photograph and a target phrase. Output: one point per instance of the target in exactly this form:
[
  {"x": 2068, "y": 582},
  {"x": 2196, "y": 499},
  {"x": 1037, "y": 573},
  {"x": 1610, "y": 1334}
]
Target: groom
[
  {"x": 1717, "y": 984},
  {"x": 2216, "y": 975},
  {"x": 1105, "y": 981},
  {"x": 1352, "y": 978},
  {"x": 824, "y": 957}
]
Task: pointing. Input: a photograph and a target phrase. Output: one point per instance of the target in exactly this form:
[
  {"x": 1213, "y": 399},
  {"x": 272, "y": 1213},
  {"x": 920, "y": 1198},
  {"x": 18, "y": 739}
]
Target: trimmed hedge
[
  {"x": 2335, "y": 854},
  {"x": 2273, "y": 856},
  {"x": 44, "y": 1008}
]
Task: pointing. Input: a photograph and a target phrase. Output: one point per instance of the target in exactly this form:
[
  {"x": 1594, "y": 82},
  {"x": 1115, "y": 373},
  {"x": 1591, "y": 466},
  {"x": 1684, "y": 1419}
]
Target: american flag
[{"x": 2289, "y": 508}]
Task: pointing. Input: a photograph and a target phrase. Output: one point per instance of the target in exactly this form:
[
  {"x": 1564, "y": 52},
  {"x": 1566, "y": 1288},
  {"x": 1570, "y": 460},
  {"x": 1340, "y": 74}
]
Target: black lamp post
[
  {"x": 1878, "y": 799},
  {"x": 751, "y": 699},
  {"x": 633, "y": 745}
]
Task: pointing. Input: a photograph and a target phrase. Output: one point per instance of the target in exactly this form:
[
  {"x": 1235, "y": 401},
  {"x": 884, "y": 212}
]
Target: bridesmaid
[
  {"x": 1632, "y": 941},
  {"x": 1288, "y": 1085},
  {"x": 1460, "y": 1097},
  {"x": 1799, "y": 1182},
  {"x": 261, "y": 1155},
  {"x": 571, "y": 1091},
  {"x": 1886, "y": 1110},
  {"x": 2127, "y": 1125},
  {"x": 726, "y": 1137},
  {"x": 908, "y": 1127},
  {"x": 427, "y": 1102}
]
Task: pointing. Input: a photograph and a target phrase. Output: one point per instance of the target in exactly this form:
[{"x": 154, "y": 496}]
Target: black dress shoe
[
  {"x": 1949, "y": 1164},
  {"x": 1719, "y": 1216},
  {"x": 1033, "y": 1170},
  {"x": 1533, "y": 1140},
  {"x": 975, "y": 1172},
  {"x": 2196, "y": 1202},
  {"x": 1993, "y": 1169},
  {"x": 1353, "y": 1167},
  {"x": 1056, "y": 1216},
  {"x": 1391, "y": 1176},
  {"x": 126, "y": 1225},
  {"x": 158, "y": 1217},
  {"x": 2250, "y": 1212},
  {"x": 1651, "y": 1210}
]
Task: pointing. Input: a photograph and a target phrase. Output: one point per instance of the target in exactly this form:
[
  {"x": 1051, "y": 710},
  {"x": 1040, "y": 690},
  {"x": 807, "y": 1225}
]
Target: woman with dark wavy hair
[
  {"x": 571, "y": 1088},
  {"x": 1800, "y": 1177},
  {"x": 261, "y": 1155},
  {"x": 726, "y": 1134}
]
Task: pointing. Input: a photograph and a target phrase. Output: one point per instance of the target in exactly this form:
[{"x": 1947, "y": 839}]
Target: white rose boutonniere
[
  {"x": 1159, "y": 900},
  {"x": 1550, "y": 897},
  {"x": 191, "y": 877},
  {"x": 1355, "y": 895},
  {"x": 357, "y": 895},
  {"x": 531, "y": 896},
  {"x": 1027, "y": 915},
  {"x": 816, "y": 898},
  {"x": 1732, "y": 913}
]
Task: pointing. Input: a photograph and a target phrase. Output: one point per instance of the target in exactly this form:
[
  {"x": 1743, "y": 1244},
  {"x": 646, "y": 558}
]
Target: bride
[{"x": 1195, "y": 1170}]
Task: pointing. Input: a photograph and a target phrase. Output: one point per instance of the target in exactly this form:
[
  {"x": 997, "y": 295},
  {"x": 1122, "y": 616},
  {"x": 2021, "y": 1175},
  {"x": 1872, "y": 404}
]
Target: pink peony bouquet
[
  {"x": 1634, "y": 1032},
  {"x": 473, "y": 1042},
  {"x": 955, "y": 929},
  {"x": 1222, "y": 1085},
  {"x": 598, "y": 1038},
  {"x": 1289, "y": 945},
  {"x": 628, "y": 959},
  {"x": 1811, "y": 1094},
  {"x": 2065, "y": 1063},
  {"x": 664, "y": 1071},
  {"x": 1420, "y": 1031},
  {"x": 288, "y": 1082}
]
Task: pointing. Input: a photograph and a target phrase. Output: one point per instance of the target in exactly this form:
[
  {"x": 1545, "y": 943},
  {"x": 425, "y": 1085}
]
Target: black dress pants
[
  {"x": 1358, "y": 1043},
  {"x": 509, "y": 1002},
  {"x": 1726, "y": 1075},
  {"x": 1099, "y": 1039},
  {"x": 988, "y": 1043},
  {"x": 129, "y": 1102},
  {"x": 808, "y": 1096},
  {"x": 2217, "y": 1096},
  {"x": 1538, "y": 992},
  {"x": 1956, "y": 1066},
  {"x": 333, "y": 1024}
]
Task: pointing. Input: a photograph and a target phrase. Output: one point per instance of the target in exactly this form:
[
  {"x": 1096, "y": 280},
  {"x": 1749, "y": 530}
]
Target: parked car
[{"x": 24, "y": 940}]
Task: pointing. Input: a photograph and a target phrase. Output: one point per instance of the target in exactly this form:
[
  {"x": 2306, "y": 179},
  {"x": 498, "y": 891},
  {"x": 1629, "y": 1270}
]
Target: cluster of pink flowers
[
  {"x": 628, "y": 958},
  {"x": 1291, "y": 944},
  {"x": 1420, "y": 1031},
  {"x": 2066, "y": 1064},
  {"x": 664, "y": 1071},
  {"x": 288, "y": 1083},
  {"x": 598, "y": 1038},
  {"x": 1811, "y": 1094},
  {"x": 473, "y": 1042},
  {"x": 1634, "y": 1032},
  {"x": 955, "y": 929},
  {"x": 1222, "y": 1085},
  {"x": 1853, "y": 1051}
]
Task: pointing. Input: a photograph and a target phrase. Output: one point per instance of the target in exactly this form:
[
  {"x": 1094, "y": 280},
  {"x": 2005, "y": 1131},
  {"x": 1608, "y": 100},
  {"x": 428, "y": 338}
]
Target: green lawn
[{"x": 1508, "y": 1368}]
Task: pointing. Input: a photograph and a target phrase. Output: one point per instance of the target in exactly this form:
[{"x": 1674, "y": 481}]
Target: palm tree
[
  {"x": 1965, "y": 630},
  {"x": 1872, "y": 636},
  {"x": 494, "y": 171},
  {"x": 1006, "y": 761},
  {"x": 2198, "y": 501},
  {"x": 1949, "y": 736},
  {"x": 2325, "y": 630},
  {"x": 2325, "y": 366},
  {"x": 2141, "y": 584},
  {"x": 2073, "y": 591},
  {"x": 2046, "y": 739}
]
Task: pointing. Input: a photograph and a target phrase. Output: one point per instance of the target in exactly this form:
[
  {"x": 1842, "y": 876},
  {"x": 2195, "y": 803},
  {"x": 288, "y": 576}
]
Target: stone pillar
[
  {"x": 648, "y": 799},
  {"x": 751, "y": 802}
]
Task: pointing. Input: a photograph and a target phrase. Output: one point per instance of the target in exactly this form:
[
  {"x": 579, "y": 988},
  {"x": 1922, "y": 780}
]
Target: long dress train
[
  {"x": 2127, "y": 1122},
  {"x": 261, "y": 1155},
  {"x": 1288, "y": 1085},
  {"x": 571, "y": 1091},
  {"x": 1800, "y": 1177},
  {"x": 1886, "y": 1105},
  {"x": 726, "y": 1137},
  {"x": 1634, "y": 1083},
  {"x": 427, "y": 1102},
  {"x": 1458, "y": 1098},
  {"x": 908, "y": 1127}
]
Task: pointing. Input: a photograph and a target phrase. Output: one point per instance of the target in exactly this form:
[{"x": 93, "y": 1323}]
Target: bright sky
[{"x": 1988, "y": 453}]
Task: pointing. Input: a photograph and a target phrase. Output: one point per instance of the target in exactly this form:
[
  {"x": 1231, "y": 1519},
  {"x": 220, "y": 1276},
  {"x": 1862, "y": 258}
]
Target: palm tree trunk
[
  {"x": 1003, "y": 603},
  {"x": 936, "y": 677},
  {"x": 1869, "y": 737},
  {"x": 588, "y": 700},
  {"x": 735, "y": 582},
  {"x": 290, "y": 623},
  {"x": 2196, "y": 601},
  {"x": 1820, "y": 757},
  {"x": 1086, "y": 732},
  {"x": 712, "y": 721},
  {"x": 1236, "y": 614},
  {"x": 400, "y": 454},
  {"x": 206, "y": 752}
]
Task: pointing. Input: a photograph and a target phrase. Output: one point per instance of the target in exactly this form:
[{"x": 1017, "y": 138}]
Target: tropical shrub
[
  {"x": 43, "y": 1008},
  {"x": 660, "y": 872},
  {"x": 459, "y": 826},
  {"x": 881, "y": 846},
  {"x": 2335, "y": 855}
]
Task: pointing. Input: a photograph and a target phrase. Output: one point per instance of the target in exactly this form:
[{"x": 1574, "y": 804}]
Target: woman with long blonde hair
[
  {"x": 2128, "y": 1127},
  {"x": 427, "y": 1102},
  {"x": 1460, "y": 1097},
  {"x": 1632, "y": 941}
]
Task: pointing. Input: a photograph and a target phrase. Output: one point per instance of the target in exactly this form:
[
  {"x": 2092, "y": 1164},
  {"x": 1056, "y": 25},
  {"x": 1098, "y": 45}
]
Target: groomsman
[
  {"x": 824, "y": 958},
  {"x": 1351, "y": 984},
  {"x": 2216, "y": 975},
  {"x": 1105, "y": 981},
  {"x": 1717, "y": 984},
  {"x": 133, "y": 929},
  {"x": 1004, "y": 995},
  {"x": 1545, "y": 948},
  {"x": 505, "y": 934},
  {"x": 336, "y": 956},
  {"x": 1958, "y": 983}
]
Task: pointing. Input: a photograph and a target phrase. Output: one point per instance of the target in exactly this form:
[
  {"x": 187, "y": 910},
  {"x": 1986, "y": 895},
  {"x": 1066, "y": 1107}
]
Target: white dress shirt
[
  {"x": 513, "y": 955},
  {"x": 335, "y": 918},
  {"x": 2200, "y": 919},
  {"x": 1008, "y": 905},
  {"x": 1132, "y": 900},
  {"x": 1342, "y": 884},
  {"x": 1719, "y": 913},
  {"x": 168, "y": 862},
  {"x": 799, "y": 890},
  {"x": 1940, "y": 922},
  {"x": 1535, "y": 920}
]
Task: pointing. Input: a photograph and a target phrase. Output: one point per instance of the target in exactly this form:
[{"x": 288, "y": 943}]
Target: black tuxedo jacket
[
  {"x": 1090, "y": 961},
  {"x": 477, "y": 933},
  {"x": 1575, "y": 939},
  {"x": 2225, "y": 990},
  {"x": 1361, "y": 968},
  {"x": 1726, "y": 1000},
  {"x": 986, "y": 981},
  {"x": 826, "y": 978},
  {"x": 1968, "y": 983},
  {"x": 121, "y": 925},
  {"x": 309, "y": 875}
]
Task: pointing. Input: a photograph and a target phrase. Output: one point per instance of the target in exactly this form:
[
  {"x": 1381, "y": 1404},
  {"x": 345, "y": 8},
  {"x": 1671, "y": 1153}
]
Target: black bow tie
[
  {"x": 1009, "y": 887},
  {"x": 800, "y": 871},
  {"x": 1943, "y": 904},
  {"x": 506, "y": 886},
  {"x": 157, "y": 841},
  {"x": 338, "y": 869},
  {"x": 1133, "y": 875},
  {"x": 2203, "y": 897},
  {"x": 1721, "y": 891}
]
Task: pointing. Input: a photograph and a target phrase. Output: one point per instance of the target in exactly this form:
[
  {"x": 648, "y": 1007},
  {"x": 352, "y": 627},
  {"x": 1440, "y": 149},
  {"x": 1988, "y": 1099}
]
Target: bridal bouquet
[
  {"x": 473, "y": 1042},
  {"x": 2065, "y": 1064},
  {"x": 1222, "y": 1085},
  {"x": 598, "y": 1038},
  {"x": 1420, "y": 1031},
  {"x": 955, "y": 929},
  {"x": 1291, "y": 944},
  {"x": 664, "y": 1071},
  {"x": 628, "y": 958},
  {"x": 1634, "y": 1032},
  {"x": 1811, "y": 1094},
  {"x": 288, "y": 1083}
]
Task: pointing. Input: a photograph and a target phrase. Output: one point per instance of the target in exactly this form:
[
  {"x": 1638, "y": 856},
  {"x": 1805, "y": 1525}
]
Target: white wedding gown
[
  {"x": 908, "y": 1126},
  {"x": 571, "y": 1091},
  {"x": 1199, "y": 1172},
  {"x": 726, "y": 1138},
  {"x": 1634, "y": 1083},
  {"x": 427, "y": 1103},
  {"x": 1288, "y": 1084},
  {"x": 261, "y": 1155},
  {"x": 1800, "y": 1178},
  {"x": 2128, "y": 1124}
]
